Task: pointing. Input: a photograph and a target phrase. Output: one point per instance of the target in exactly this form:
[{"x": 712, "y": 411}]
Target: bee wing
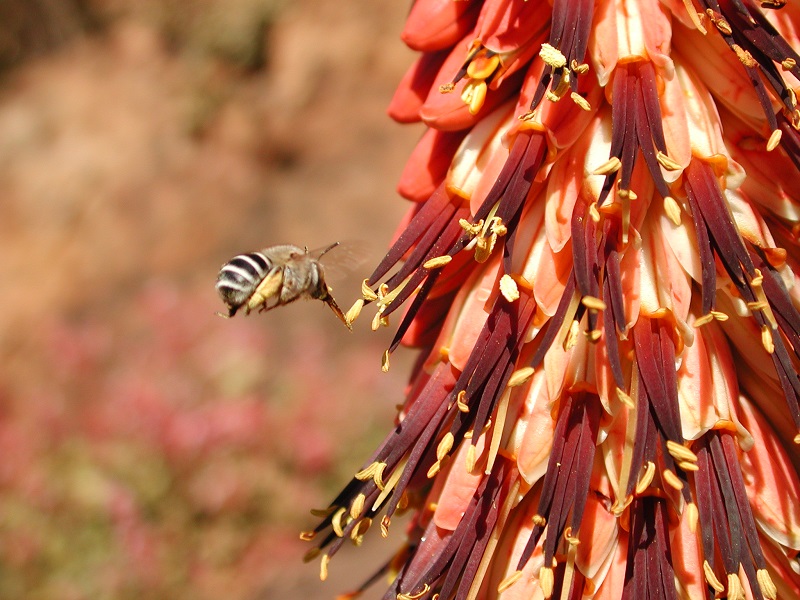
[{"x": 342, "y": 258}]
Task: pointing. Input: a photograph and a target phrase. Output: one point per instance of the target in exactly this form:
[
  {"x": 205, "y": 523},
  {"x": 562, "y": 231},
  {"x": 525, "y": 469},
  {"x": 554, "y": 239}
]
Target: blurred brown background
[{"x": 149, "y": 449}]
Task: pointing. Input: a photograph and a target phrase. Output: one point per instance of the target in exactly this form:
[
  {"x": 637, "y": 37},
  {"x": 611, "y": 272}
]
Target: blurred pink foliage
[{"x": 167, "y": 456}]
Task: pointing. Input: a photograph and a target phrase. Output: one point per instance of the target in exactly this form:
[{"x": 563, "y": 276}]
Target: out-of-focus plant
[{"x": 600, "y": 267}]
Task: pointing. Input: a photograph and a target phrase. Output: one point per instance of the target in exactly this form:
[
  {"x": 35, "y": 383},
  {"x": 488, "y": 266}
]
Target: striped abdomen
[{"x": 239, "y": 278}]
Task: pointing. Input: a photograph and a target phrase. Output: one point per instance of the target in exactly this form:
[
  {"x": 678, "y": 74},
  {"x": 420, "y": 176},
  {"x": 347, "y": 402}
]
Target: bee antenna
[{"x": 328, "y": 249}]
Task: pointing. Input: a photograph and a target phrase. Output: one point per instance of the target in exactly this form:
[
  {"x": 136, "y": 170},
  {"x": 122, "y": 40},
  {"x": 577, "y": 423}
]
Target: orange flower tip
[
  {"x": 693, "y": 516},
  {"x": 612, "y": 165},
  {"x": 446, "y": 88},
  {"x": 311, "y": 555},
  {"x": 385, "y": 361},
  {"x": 385, "y": 522},
  {"x": 552, "y": 56},
  {"x": 711, "y": 578},
  {"x": 355, "y": 310},
  {"x": 508, "y": 287},
  {"x": 735, "y": 588},
  {"x": 307, "y": 536},
  {"x": 539, "y": 520},
  {"x": 646, "y": 479},
  {"x": 775, "y": 256},
  {"x": 766, "y": 339},
  {"x": 348, "y": 596},
  {"x": 482, "y": 68},
  {"x": 680, "y": 452},
  {"x": 623, "y": 397},
  {"x": 357, "y": 506},
  {"x": 774, "y": 140},
  {"x": 546, "y": 581},
  {"x": 672, "y": 209},
  {"x": 671, "y": 479},
  {"x": 367, "y": 293},
  {"x": 509, "y": 581},
  {"x": 445, "y": 446},
  {"x": 437, "y": 262},
  {"x": 593, "y": 303},
  {"x": 766, "y": 584},
  {"x": 323, "y": 567},
  {"x": 788, "y": 64},
  {"x": 520, "y": 376}
]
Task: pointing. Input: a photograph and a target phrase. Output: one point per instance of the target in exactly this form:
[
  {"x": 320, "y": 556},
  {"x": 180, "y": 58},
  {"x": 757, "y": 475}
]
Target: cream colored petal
[
  {"x": 459, "y": 488},
  {"x": 771, "y": 481},
  {"x": 481, "y": 155},
  {"x": 532, "y": 438}
]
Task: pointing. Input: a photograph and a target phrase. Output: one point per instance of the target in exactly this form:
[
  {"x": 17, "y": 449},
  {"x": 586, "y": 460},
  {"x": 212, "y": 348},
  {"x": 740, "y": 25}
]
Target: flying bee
[{"x": 275, "y": 276}]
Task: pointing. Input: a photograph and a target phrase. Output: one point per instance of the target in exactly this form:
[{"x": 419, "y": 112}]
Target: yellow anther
[
  {"x": 552, "y": 56},
  {"x": 546, "y": 581},
  {"x": 367, "y": 292},
  {"x": 357, "y": 506},
  {"x": 509, "y": 581},
  {"x": 582, "y": 102},
  {"x": 612, "y": 165},
  {"x": 508, "y": 288},
  {"x": 671, "y": 479},
  {"x": 668, "y": 163},
  {"x": 711, "y": 578},
  {"x": 385, "y": 362},
  {"x": 354, "y": 311},
  {"x": 672, "y": 210},
  {"x": 593, "y": 303},
  {"x": 766, "y": 339},
  {"x": 647, "y": 478},
  {"x": 623, "y": 397},
  {"x": 323, "y": 567},
  {"x": 520, "y": 376},
  {"x": 774, "y": 140},
  {"x": 680, "y": 452},
  {"x": 437, "y": 262}
]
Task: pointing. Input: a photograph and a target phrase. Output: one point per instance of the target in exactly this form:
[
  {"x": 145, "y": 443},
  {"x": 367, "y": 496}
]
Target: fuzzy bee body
[{"x": 273, "y": 277}]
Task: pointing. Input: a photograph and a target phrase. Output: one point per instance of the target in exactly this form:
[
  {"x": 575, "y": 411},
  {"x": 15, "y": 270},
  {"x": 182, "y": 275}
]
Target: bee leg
[{"x": 328, "y": 299}]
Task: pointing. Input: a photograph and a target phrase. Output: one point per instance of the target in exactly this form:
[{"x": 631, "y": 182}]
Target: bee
[{"x": 273, "y": 277}]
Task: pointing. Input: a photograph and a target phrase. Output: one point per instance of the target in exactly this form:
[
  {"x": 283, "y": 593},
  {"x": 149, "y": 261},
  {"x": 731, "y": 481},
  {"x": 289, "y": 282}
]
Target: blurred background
[{"x": 148, "y": 448}]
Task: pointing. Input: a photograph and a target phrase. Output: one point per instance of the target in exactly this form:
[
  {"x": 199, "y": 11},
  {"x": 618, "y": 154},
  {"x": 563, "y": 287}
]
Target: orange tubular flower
[{"x": 600, "y": 268}]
